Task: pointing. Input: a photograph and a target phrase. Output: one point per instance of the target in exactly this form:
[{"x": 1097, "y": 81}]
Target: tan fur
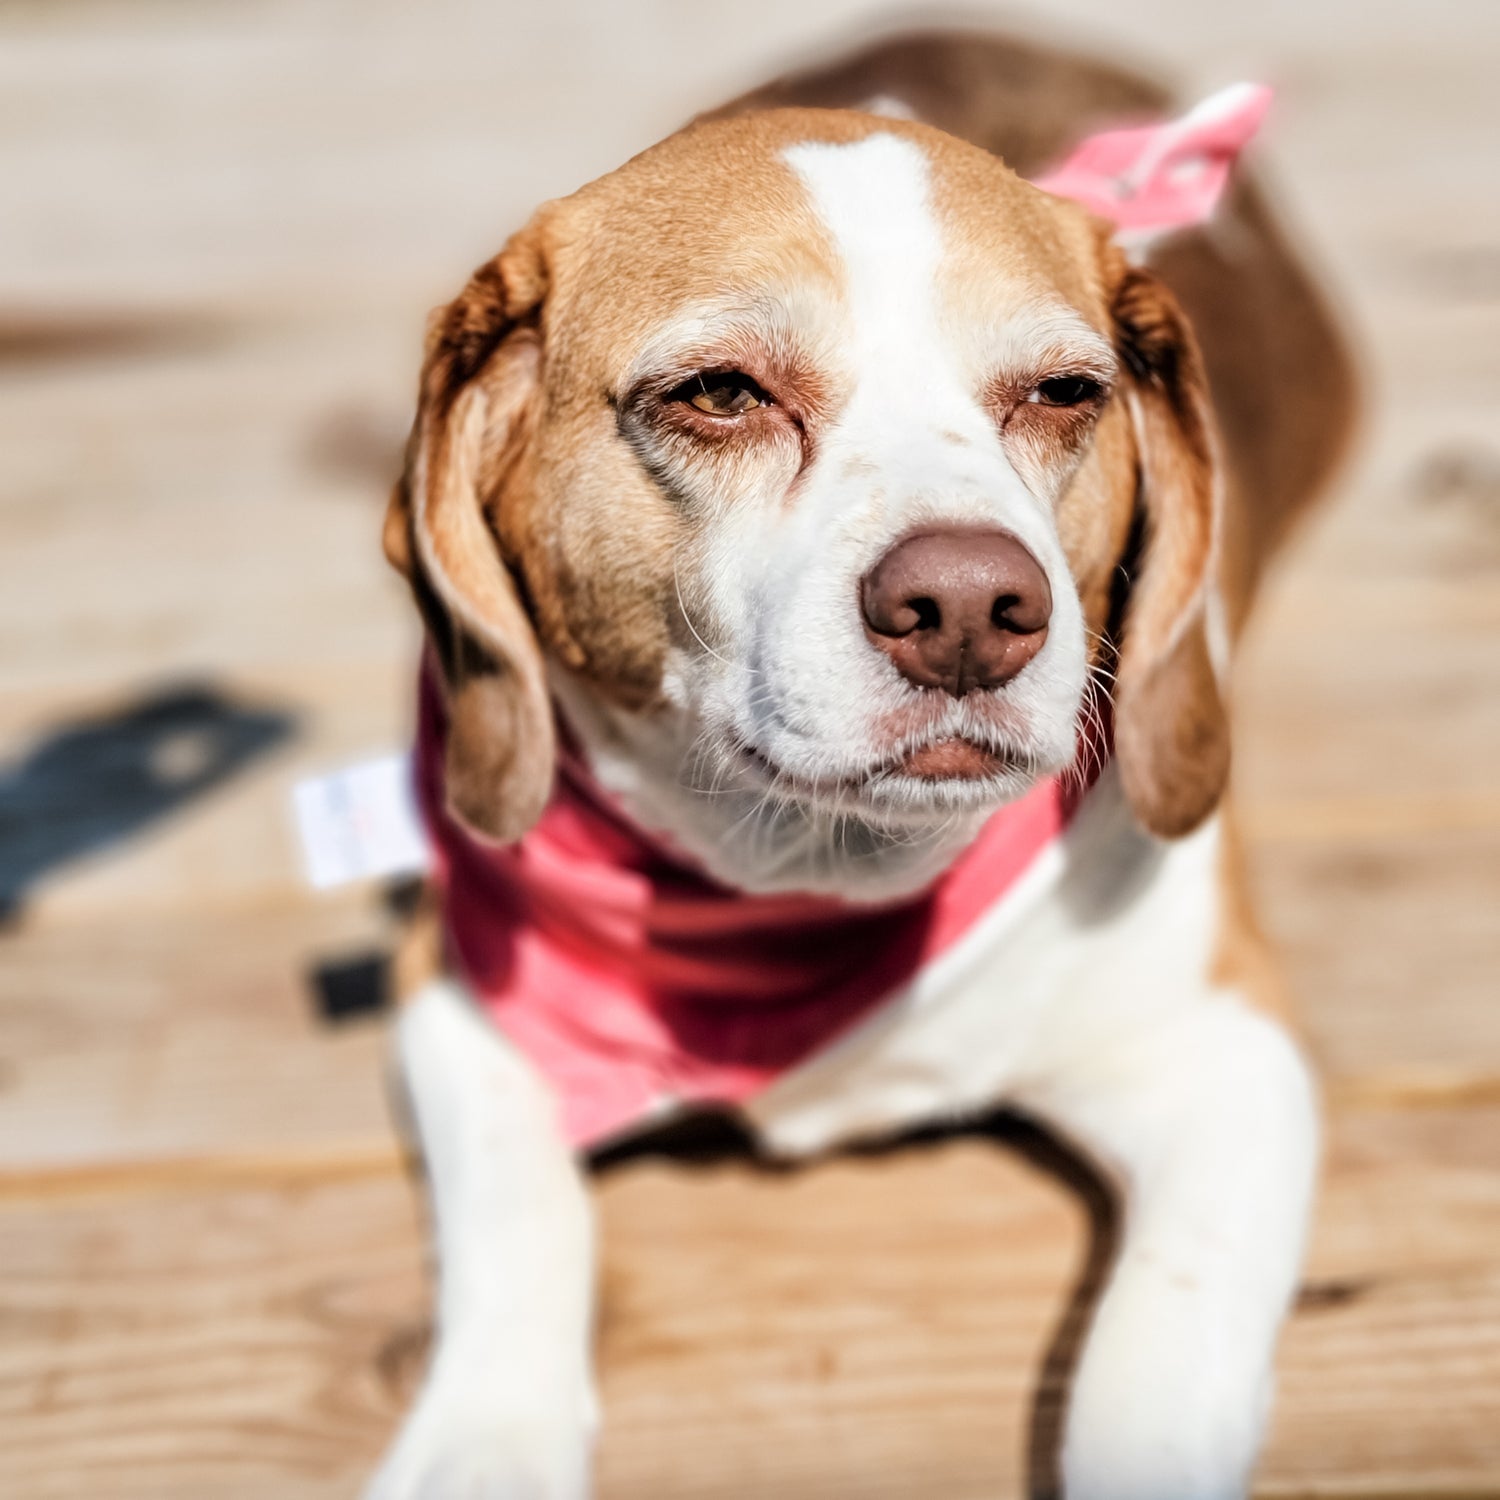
[
  {"x": 1243, "y": 960},
  {"x": 1171, "y": 726},
  {"x": 473, "y": 421}
]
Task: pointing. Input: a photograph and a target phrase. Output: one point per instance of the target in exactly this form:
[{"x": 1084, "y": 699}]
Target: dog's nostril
[
  {"x": 1019, "y": 615},
  {"x": 929, "y": 616},
  {"x": 1000, "y": 612}
]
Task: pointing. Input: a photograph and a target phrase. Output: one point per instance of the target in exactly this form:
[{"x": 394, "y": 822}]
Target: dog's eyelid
[
  {"x": 1070, "y": 388},
  {"x": 745, "y": 393}
]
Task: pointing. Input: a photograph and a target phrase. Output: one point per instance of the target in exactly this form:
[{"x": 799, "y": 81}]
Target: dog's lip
[
  {"x": 945, "y": 758},
  {"x": 953, "y": 758}
]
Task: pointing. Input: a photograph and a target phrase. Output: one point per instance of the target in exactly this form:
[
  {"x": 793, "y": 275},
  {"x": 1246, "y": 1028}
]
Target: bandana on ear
[{"x": 1154, "y": 179}]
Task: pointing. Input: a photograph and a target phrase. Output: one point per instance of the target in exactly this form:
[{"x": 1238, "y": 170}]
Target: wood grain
[{"x": 871, "y": 1326}]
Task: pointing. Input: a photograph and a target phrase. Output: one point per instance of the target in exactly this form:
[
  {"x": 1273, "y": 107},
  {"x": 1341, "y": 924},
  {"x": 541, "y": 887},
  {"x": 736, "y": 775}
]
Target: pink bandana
[{"x": 636, "y": 983}]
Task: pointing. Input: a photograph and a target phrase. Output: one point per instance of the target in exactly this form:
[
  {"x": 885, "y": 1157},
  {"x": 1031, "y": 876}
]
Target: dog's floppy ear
[
  {"x": 465, "y": 459},
  {"x": 1171, "y": 729}
]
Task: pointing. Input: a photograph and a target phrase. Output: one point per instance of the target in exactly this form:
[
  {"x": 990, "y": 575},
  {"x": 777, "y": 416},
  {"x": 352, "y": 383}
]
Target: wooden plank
[
  {"x": 1391, "y": 947},
  {"x": 1390, "y": 1373},
  {"x": 147, "y": 1040},
  {"x": 204, "y": 1343},
  {"x": 872, "y": 1326}
]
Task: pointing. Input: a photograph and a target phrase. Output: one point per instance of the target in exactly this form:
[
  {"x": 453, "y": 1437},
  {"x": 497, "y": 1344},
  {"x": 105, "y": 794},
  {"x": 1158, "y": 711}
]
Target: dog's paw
[{"x": 456, "y": 1445}]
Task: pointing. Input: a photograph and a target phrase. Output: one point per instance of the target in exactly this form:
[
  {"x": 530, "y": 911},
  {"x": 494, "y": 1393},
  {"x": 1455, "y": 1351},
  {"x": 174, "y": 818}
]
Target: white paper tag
[{"x": 360, "y": 823}]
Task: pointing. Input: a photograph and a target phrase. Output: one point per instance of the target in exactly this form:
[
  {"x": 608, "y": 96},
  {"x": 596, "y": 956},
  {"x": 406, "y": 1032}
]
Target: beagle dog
[{"x": 832, "y": 546}]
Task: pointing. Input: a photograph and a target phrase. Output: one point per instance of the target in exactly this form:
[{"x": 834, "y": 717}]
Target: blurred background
[{"x": 221, "y": 227}]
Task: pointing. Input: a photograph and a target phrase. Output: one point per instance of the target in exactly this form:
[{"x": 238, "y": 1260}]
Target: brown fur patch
[
  {"x": 1171, "y": 727},
  {"x": 1095, "y": 517},
  {"x": 1243, "y": 961},
  {"x": 473, "y": 424}
]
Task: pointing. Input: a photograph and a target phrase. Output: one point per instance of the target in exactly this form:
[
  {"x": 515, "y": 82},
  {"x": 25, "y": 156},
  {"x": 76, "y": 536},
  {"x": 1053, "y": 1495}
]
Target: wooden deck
[{"x": 221, "y": 229}]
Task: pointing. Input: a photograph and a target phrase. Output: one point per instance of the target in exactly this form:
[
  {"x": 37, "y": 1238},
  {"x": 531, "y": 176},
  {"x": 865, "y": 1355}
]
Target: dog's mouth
[
  {"x": 946, "y": 772},
  {"x": 952, "y": 759}
]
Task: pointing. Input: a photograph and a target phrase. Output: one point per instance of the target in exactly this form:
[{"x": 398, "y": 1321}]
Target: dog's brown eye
[
  {"x": 1066, "y": 390},
  {"x": 725, "y": 394}
]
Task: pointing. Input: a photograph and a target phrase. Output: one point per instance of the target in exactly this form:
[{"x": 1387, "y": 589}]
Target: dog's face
[{"x": 800, "y": 459}]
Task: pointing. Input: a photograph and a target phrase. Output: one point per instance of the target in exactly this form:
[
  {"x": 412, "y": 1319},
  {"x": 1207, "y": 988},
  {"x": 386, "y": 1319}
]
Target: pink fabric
[
  {"x": 1158, "y": 178},
  {"x": 634, "y": 981}
]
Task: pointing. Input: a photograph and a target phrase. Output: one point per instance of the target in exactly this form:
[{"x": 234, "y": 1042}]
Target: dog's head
[{"x": 813, "y": 462}]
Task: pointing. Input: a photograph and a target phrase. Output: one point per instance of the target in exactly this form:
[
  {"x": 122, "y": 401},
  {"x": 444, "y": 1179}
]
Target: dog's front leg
[
  {"x": 507, "y": 1410},
  {"x": 1207, "y": 1120}
]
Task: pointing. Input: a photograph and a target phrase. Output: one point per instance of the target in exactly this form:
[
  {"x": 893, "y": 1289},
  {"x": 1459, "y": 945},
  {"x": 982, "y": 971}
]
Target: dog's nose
[{"x": 957, "y": 609}]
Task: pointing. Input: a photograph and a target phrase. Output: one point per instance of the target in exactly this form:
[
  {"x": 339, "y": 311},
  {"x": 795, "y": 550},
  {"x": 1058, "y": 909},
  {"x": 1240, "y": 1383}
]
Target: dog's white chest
[{"x": 1108, "y": 925}]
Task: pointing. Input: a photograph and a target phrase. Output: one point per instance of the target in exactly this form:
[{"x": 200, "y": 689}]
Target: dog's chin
[{"x": 911, "y": 788}]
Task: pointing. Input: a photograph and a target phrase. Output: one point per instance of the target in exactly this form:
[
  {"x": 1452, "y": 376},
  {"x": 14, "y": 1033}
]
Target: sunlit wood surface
[{"x": 221, "y": 228}]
